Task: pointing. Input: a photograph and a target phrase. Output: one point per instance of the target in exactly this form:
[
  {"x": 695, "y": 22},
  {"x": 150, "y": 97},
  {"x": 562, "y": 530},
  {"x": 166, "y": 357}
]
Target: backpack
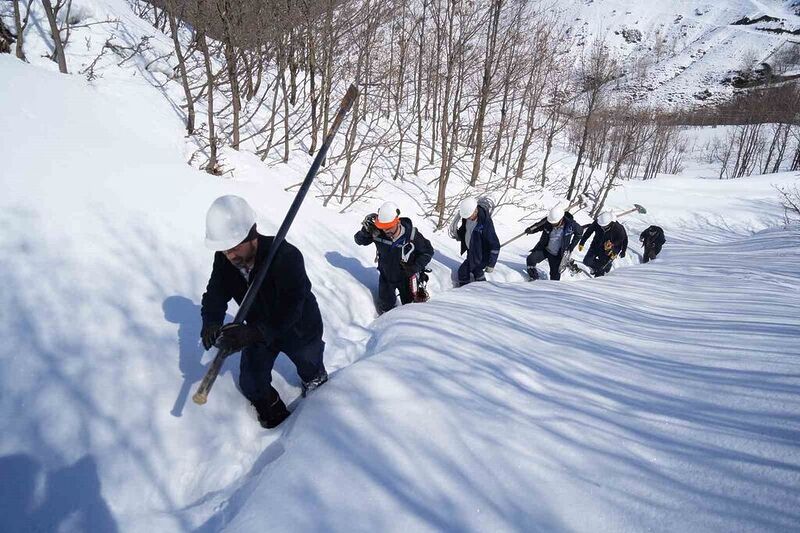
[{"x": 484, "y": 201}]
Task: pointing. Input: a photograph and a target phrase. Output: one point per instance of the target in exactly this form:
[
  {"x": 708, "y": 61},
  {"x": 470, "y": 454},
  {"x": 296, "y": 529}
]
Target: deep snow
[{"x": 664, "y": 396}]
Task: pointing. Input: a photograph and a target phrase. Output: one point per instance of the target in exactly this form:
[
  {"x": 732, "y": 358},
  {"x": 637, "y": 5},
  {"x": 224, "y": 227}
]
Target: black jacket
[
  {"x": 655, "y": 241},
  {"x": 572, "y": 234},
  {"x": 390, "y": 253},
  {"x": 285, "y": 308},
  {"x": 484, "y": 246},
  {"x": 615, "y": 233}
]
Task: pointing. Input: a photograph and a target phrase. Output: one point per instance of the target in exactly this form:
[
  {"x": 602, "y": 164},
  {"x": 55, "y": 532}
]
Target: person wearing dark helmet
[
  {"x": 560, "y": 235},
  {"x": 610, "y": 241},
  {"x": 284, "y": 318},
  {"x": 478, "y": 239},
  {"x": 652, "y": 239},
  {"x": 403, "y": 253}
]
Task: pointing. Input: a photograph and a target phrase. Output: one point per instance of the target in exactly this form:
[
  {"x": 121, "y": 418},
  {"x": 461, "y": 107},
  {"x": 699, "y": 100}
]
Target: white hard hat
[
  {"x": 228, "y": 222},
  {"x": 605, "y": 218},
  {"x": 555, "y": 215},
  {"x": 467, "y": 207},
  {"x": 388, "y": 215}
]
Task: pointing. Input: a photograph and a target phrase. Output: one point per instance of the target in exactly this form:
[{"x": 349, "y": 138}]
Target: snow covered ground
[
  {"x": 671, "y": 51},
  {"x": 663, "y": 397}
]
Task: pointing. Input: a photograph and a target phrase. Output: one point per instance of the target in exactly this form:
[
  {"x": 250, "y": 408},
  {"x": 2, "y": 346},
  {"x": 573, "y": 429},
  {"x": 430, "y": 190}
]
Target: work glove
[
  {"x": 409, "y": 269},
  {"x": 369, "y": 224},
  {"x": 608, "y": 245},
  {"x": 612, "y": 254},
  {"x": 530, "y": 230},
  {"x": 580, "y": 247},
  {"x": 208, "y": 335},
  {"x": 234, "y": 336},
  {"x": 489, "y": 269}
]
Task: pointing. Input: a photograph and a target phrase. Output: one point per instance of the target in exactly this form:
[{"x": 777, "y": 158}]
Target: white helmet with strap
[{"x": 388, "y": 216}]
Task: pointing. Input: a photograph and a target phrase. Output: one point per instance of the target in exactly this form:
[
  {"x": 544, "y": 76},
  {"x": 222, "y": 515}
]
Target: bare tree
[
  {"x": 173, "y": 28},
  {"x": 55, "y": 32},
  {"x": 489, "y": 66},
  {"x": 594, "y": 73},
  {"x": 20, "y": 23}
]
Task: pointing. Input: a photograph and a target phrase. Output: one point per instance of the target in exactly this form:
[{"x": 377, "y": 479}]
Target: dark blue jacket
[
  {"x": 615, "y": 233},
  {"x": 572, "y": 234},
  {"x": 390, "y": 253},
  {"x": 484, "y": 246},
  {"x": 285, "y": 308}
]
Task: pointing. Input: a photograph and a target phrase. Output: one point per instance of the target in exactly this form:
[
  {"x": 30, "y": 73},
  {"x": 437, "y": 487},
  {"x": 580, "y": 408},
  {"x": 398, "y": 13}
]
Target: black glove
[
  {"x": 233, "y": 337},
  {"x": 369, "y": 224},
  {"x": 409, "y": 269},
  {"x": 208, "y": 335},
  {"x": 622, "y": 254},
  {"x": 530, "y": 230}
]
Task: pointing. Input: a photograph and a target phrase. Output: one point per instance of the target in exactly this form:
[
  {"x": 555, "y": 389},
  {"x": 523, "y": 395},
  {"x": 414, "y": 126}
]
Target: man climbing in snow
[
  {"x": 403, "y": 254},
  {"x": 478, "y": 238},
  {"x": 610, "y": 241},
  {"x": 652, "y": 239},
  {"x": 560, "y": 235},
  {"x": 284, "y": 318}
]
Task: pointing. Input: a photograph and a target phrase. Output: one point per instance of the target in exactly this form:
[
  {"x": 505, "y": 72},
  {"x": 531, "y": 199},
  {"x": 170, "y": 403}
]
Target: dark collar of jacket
[
  {"x": 408, "y": 229},
  {"x": 570, "y": 228}
]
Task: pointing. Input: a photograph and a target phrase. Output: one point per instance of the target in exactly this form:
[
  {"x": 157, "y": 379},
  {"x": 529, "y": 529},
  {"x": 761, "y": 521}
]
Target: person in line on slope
[
  {"x": 560, "y": 235},
  {"x": 479, "y": 239},
  {"x": 610, "y": 241},
  {"x": 652, "y": 239},
  {"x": 284, "y": 318},
  {"x": 402, "y": 251}
]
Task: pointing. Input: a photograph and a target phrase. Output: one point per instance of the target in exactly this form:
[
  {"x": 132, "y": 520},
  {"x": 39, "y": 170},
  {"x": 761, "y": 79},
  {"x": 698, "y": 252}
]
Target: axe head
[{"x": 640, "y": 209}]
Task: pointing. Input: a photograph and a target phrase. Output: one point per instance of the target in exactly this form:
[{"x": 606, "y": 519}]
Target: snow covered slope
[
  {"x": 663, "y": 396},
  {"x": 672, "y": 51}
]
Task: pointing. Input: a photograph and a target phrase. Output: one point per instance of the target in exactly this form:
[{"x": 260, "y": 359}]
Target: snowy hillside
[
  {"x": 672, "y": 52},
  {"x": 622, "y": 403},
  {"x": 661, "y": 397}
]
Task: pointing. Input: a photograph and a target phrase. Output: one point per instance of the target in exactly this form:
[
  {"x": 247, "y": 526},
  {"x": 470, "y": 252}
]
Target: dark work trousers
[
  {"x": 600, "y": 263},
  {"x": 538, "y": 256},
  {"x": 255, "y": 378},
  {"x": 387, "y": 294},
  {"x": 464, "y": 272},
  {"x": 650, "y": 253}
]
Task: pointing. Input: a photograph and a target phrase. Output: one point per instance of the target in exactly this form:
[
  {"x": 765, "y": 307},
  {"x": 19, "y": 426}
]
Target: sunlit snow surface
[{"x": 664, "y": 397}]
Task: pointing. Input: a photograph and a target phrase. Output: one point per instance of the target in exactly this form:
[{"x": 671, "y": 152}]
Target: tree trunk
[
  {"x": 233, "y": 79},
  {"x": 312, "y": 75},
  {"x": 19, "y": 26},
  {"x": 56, "y": 35},
  {"x": 782, "y": 149},
  {"x": 187, "y": 92},
  {"x": 491, "y": 42},
  {"x": 211, "y": 167},
  {"x": 418, "y": 96},
  {"x": 581, "y": 150}
]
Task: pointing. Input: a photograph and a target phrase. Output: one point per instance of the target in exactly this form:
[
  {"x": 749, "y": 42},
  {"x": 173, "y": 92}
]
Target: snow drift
[{"x": 664, "y": 396}]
